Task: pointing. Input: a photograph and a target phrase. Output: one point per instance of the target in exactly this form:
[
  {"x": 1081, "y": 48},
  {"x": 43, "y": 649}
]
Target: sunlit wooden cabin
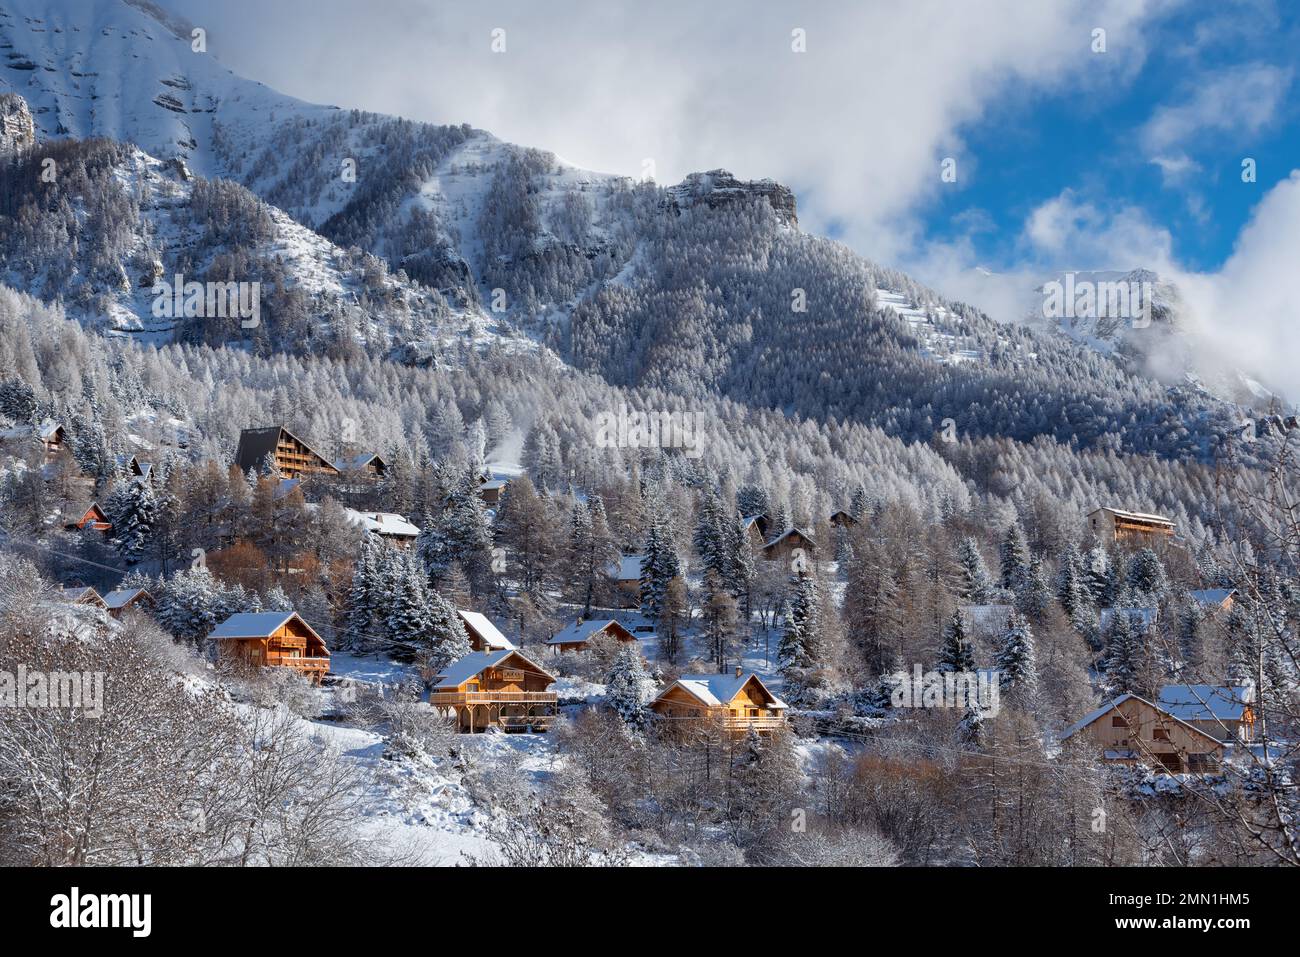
[
  {"x": 496, "y": 689},
  {"x": 1118, "y": 525},
  {"x": 93, "y": 518},
  {"x": 1226, "y": 712},
  {"x": 1130, "y": 730},
  {"x": 789, "y": 543},
  {"x": 274, "y": 639},
  {"x": 738, "y": 702},
  {"x": 293, "y": 457},
  {"x": 626, "y": 576},
  {"x": 82, "y": 595},
  {"x": 843, "y": 519},
  {"x": 368, "y": 464},
  {"x": 580, "y": 635},
  {"x": 1213, "y": 600}
]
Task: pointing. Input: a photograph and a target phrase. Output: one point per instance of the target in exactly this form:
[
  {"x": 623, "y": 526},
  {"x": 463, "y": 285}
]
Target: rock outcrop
[
  {"x": 17, "y": 129},
  {"x": 718, "y": 188}
]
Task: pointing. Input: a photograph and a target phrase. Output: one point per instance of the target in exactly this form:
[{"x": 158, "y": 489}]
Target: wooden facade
[
  {"x": 273, "y": 640},
  {"x": 1131, "y": 730},
  {"x": 783, "y": 547},
  {"x": 293, "y": 457},
  {"x": 1118, "y": 525},
  {"x": 82, "y": 595},
  {"x": 843, "y": 519},
  {"x": 580, "y": 635},
  {"x": 736, "y": 703},
  {"x": 122, "y": 599},
  {"x": 496, "y": 689},
  {"x": 93, "y": 518}
]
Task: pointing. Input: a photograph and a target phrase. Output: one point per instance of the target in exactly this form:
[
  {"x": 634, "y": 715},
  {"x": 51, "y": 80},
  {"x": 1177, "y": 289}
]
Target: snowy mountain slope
[
  {"x": 118, "y": 221},
  {"x": 127, "y": 71}
]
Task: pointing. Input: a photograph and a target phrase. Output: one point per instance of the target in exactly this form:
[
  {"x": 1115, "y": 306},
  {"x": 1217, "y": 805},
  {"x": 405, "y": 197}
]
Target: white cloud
[{"x": 1239, "y": 101}]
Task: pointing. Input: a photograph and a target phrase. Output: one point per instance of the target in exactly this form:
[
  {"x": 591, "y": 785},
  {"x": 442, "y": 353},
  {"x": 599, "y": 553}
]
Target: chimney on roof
[{"x": 738, "y": 671}]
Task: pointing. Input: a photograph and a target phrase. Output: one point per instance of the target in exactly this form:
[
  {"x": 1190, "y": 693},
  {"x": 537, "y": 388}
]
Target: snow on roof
[
  {"x": 78, "y": 592},
  {"x": 1092, "y": 716},
  {"x": 122, "y": 597},
  {"x": 497, "y": 484},
  {"x": 357, "y": 462},
  {"x": 1139, "y": 516},
  {"x": 579, "y": 632},
  {"x": 787, "y": 533},
  {"x": 285, "y": 487},
  {"x": 1212, "y": 596},
  {"x": 49, "y": 429},
  {"x": 488, "y": 632},
  {"x": 1206, "y": 702},
  {"x": 251, "y": 624},
  {"x": 382, "y": 523},
  {"x": 462, "y": 669},
  {"x": 718, "y": 690},
  {"x": 749, "y": 520},
  {"x": 627, "y": 568}
]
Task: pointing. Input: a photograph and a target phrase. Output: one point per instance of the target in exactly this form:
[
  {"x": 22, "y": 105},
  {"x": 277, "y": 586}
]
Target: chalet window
[
  {"x": 1200, "y": 762},
  {"x": 1119, "y": 721},
  {"x": 1160, "y": 734}
]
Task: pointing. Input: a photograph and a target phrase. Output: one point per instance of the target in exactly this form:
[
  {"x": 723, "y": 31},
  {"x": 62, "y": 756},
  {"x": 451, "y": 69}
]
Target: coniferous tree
[
  {"x": 799, "y": 651},
  {"x": 1016, "y": 662},
  {"x": 1013, "y": 558},
  {"x": 974, "y": 584},
  {"x": 625, "y": 687},
  {"x": 955, "y": 651}
]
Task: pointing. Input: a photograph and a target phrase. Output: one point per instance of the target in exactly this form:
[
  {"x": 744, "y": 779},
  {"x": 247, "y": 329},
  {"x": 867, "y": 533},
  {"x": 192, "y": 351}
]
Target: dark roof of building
[{"x": 256, "y": 444}]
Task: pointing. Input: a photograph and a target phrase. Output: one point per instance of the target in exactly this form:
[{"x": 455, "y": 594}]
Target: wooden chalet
[
  {"x": 626, "y": 575},
  {"x": 739, "y": 702},
  {"x": 483, "y": 635},
  {"x": 580, "y": 635},
  {"x": 496, "y": 689},
  {"x": 123, "y": 598},
  {"x": 491, "y": 488},
  {"x": 842, "y": 519},
  {"x": 756, "y": 528},
  {"x": 1224, "y": 711},
  {"x": 82, "y": 595},
  {"x": 52, "y": 436},
  {"x": 1214, "y": 599},
  {"x": 275, "y": 639},
  {"x": 389, "y": 526},
  {"x": 94, "y": 518},
  {"x": 782, "y": 547},
  {"x": 134, "y": 469},
  {"x": 1117, "y": 525},
  {"x": 367, "y": 463},
  {"x": 292, "y": 456},
  {"x": 1130, "y": 730}
]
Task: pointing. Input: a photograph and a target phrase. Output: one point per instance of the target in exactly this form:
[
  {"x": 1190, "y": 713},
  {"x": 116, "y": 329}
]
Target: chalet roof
[
  {"x": 256, "y": 444},
  {"x": 582, "y": 631},
  {"x": 123, "y": 597},
  {"x": 483, "y": 627},
  {"x": 495, "y": 484},
  {"x": 1111, "y": 705},
  {"x": 717, "y": 690},
  {"x": 1206, "y": 702},
  {"x": 78, "y": 593},
  {"x": 1212, "y": 596},
  {"x": 462, "y": 669},
  {"x": 382, "y": 523},
  {"x": 357, "y": 462},
  {"x": 787, "y": 533},
  {"x": 749, "y": 520},
  {"x": 49, "y": 430},
  {"x": 1146, "y": 617},
  {"x": 1136, "y": 516},
  {"x": 626, "y": 569},
  {"x": 257, "y": 624}
]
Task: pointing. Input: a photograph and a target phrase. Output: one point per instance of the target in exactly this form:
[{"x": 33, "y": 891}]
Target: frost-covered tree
[{"x": 626, "y": 687}]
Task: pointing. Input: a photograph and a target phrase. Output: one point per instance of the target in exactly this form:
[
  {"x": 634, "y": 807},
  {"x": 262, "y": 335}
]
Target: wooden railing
[
  {"x": 491, "y": 697},
  {"x": 303, "y": 664},
  {"x": 734, "y": 722}
]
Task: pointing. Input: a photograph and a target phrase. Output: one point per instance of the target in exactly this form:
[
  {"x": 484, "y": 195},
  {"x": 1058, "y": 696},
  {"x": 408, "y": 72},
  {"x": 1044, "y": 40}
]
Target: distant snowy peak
[
  {"x": 127, "y": 70},
  {"x": 718, "y": 187}
]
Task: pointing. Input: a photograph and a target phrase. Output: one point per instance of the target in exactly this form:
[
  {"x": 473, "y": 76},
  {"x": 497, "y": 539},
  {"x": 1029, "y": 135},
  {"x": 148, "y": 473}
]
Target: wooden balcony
[
  {"x": 730, "y": 722},
  {"x": 301, "y": 664},
  {"x": 453, "y": 698}
]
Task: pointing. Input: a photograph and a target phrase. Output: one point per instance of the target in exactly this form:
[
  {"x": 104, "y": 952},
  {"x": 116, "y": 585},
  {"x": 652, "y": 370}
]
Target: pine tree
[
  {"x": 1146, "y": 575},
  {"x": 798, "y": 653},
  {"x": 955, "y": 652},
  {"x": 1013, "y": 559},
  {"x": 408, "y": 619},
  {"x": 658, "y": 569},
  {"x": 1123, "y": 665},
  {"x": 132, "y": 509},
  {"x": 1016, "y": 662},
  {"x": 974, "y": 584},
  {"x": 363, "y": 597},
  {"x": 625, "y": 687},
  {"x": 719, "y": 618},
  {"x": 448, "y": 641}
]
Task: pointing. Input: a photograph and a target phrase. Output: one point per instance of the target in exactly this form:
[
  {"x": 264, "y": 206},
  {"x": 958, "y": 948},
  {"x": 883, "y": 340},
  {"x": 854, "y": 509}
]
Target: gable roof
[
  {"x": 1206, "y": 702},
  {"x": 787, "y": 533},
  {"x": 462, "y": 669},
  {"x": 358, "y": 462},
  {"x": 257, "y": 624},
  {"x": 1111, "y": 705},
  {"x": 717, "y": 690},
  {"x": 1137, "y": 516},
  {"x": 583, "y": 631},
  {"x": 123, "y": 597},
  {"x": 256, "y": 444},
  {"x": 48, "y": 430},
  {"x": 382, "y": 523},
  {"x": 487, "y": 632},
  {"x": 80, "y": 593},
  {"x": 1212, "y": 596}
]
